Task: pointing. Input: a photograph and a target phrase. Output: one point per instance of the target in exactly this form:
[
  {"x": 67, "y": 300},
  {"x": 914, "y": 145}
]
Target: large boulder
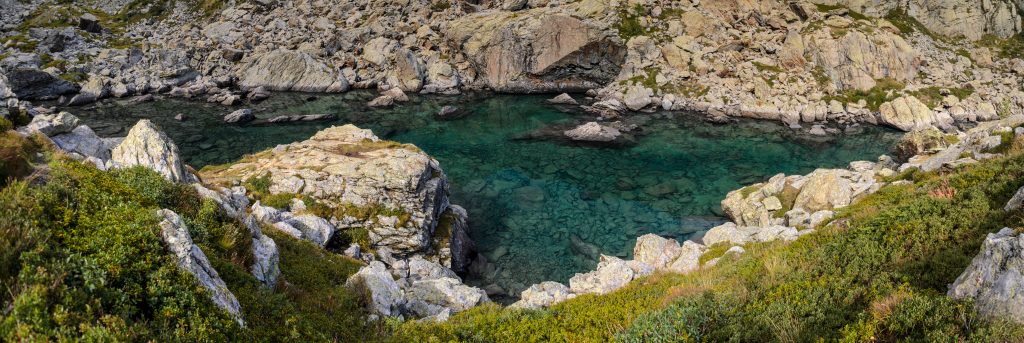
[
  {"x": 655, "y": 250},
  {"x": 611, "y": 274},
  {"x": 739, "y": 235},
  {"x": 446, "y": 292},
  {"x": 543, "y": 294},
  {"x": 54, "y": 124},
  {"x": 191, "y": 259},
  {"x": 994, "y": 278},
  {"x": 149, "y": 147},
  {"x": 395, "y": 191},
  {"x": 909, "y": 114},
  {"x": 856, "y": 60},
  {"x": 376, "y": 282},
  {"x": 824, "y": 189},
  {"x": 593, "y": 132},
  {"x": 34, "y": 84},
  {"x": 266, "y": 267},
  {"x": 537, "y": 50},
  {"x": 288, "y": 70},
  {"x": 84, "y": 141}
]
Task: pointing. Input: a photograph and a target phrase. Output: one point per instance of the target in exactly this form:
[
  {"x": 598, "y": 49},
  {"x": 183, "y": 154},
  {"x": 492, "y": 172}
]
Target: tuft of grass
[{"x": 885, "y": 90}]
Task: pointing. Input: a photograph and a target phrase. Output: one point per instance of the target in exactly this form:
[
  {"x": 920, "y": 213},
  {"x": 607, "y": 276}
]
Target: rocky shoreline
[{"x": 803, "y": 64}]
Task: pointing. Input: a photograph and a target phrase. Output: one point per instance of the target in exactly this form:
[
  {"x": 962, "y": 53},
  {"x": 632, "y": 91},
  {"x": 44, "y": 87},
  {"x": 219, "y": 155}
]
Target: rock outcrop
[
  {"x": 994, "y": 278},
  {"x": 288, "y": 70},
  {"x": 191, "y": 259},
  {"x": 395, "y": 191},
  {"x": 147, "y": 146},
  {"x": 33, "y": 84},
  {"x": 423, "y": 289},
  {"x": 537, "y": 50},
  {"x": 593, "y": 132},
  {"x": 909, "y": 114}
]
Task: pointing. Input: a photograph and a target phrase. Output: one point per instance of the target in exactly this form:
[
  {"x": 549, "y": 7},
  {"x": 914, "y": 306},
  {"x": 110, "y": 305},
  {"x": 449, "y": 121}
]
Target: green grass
[
  {"x": 885, "y": 90},
  {"x": 81, "y": 259},
  {"x": 1006, "y": 48},
  {"x": 629, "y": 25},
  {"x": 932, "y": 96}
]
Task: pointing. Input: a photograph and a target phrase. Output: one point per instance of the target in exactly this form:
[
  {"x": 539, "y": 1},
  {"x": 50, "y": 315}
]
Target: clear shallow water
[{"x": 535, "y": 204}]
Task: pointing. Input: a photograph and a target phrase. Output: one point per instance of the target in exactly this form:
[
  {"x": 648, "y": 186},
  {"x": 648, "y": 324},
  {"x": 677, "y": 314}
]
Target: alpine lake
[{"x": 538, "y": 203}]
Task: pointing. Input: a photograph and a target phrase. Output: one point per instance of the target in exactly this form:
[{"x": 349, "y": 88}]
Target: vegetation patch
[
  {"x": 885, "y": 90},
  {"x": 932, "y": 96}
]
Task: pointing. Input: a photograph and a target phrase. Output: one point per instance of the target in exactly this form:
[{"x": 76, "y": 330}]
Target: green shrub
[{"x": 17, "y": 155}]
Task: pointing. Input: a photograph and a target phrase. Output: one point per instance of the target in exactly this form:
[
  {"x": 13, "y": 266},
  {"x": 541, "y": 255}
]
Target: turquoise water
[{"x": 530, "y": 194}]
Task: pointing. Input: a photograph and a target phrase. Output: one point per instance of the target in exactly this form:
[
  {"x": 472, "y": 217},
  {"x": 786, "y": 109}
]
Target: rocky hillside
[{"x": 909, "y": 64}]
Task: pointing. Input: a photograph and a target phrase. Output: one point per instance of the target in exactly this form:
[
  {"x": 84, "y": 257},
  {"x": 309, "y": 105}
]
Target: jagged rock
[
  {"x": 655, "y": 250},
  {"x": 95, "y": 89},
  {"x": 191, "y": 259},
  {"x": 385, "y": 296},
  {"x": 149, "y": 147},
  {"x": 856, "y": 60},
  {"x": 240, "y": 116},
  {"x": 314, "y": 229},
  {"x": 920, "y": 141},
  {"x": 420, "y": 269},
  {"x": 51, "y": 125},
  {"x": 994, "y": 279},
  {"x": 84, "y": 141},
  {"x": 637, "y": 97},
  {"x": 543, "y": 294},
  {"x": 89, "y": 23},
  {"x": 396, "y": 94},
  {"x": 593, "y": 132},
  {"x": 381, "y": 101},
  {"x": 563, "y": 99},
  {"x": 287, "y": 70},
  {"x": 825, "y": 189},
  {"x": 1016, "y": 202},
  {"x": 258, "y": 94},
  {"x": 265, "y": 267},
  {"x": 909, "y": 114},
  {"x": 446, "y": 292},
  {"x": 449, "y": 112},
  {"x": 689, "y": 257},
  {"x": 537, "y": 50},
  {"x": 452, "y": 239},
  {"x": 34, "y": 84},
  {"x": 348, "y": 166},
  {"x": 611, "y": 274},
  {"x": 733, "y": 234}
]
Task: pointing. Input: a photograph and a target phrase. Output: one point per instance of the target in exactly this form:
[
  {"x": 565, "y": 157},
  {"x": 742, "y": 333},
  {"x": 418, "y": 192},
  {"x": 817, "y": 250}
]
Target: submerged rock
[
  {"x": 563, "y": 99},
  {"x": 240, "y": 116},
  {"x": 994, "y": 278},
  {"x": 147, "y": 146},
  {"x": 192, "y": 259}
]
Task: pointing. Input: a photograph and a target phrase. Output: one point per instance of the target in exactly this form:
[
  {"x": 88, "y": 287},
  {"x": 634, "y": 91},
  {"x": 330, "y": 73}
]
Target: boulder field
[{"x": 908, "y": 64}]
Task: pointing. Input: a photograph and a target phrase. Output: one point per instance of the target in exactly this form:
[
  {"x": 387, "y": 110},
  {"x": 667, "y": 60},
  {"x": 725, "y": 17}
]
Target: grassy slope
[
  {"x": 81, "y": 258},
  {"x": 879, "y": 273}
]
